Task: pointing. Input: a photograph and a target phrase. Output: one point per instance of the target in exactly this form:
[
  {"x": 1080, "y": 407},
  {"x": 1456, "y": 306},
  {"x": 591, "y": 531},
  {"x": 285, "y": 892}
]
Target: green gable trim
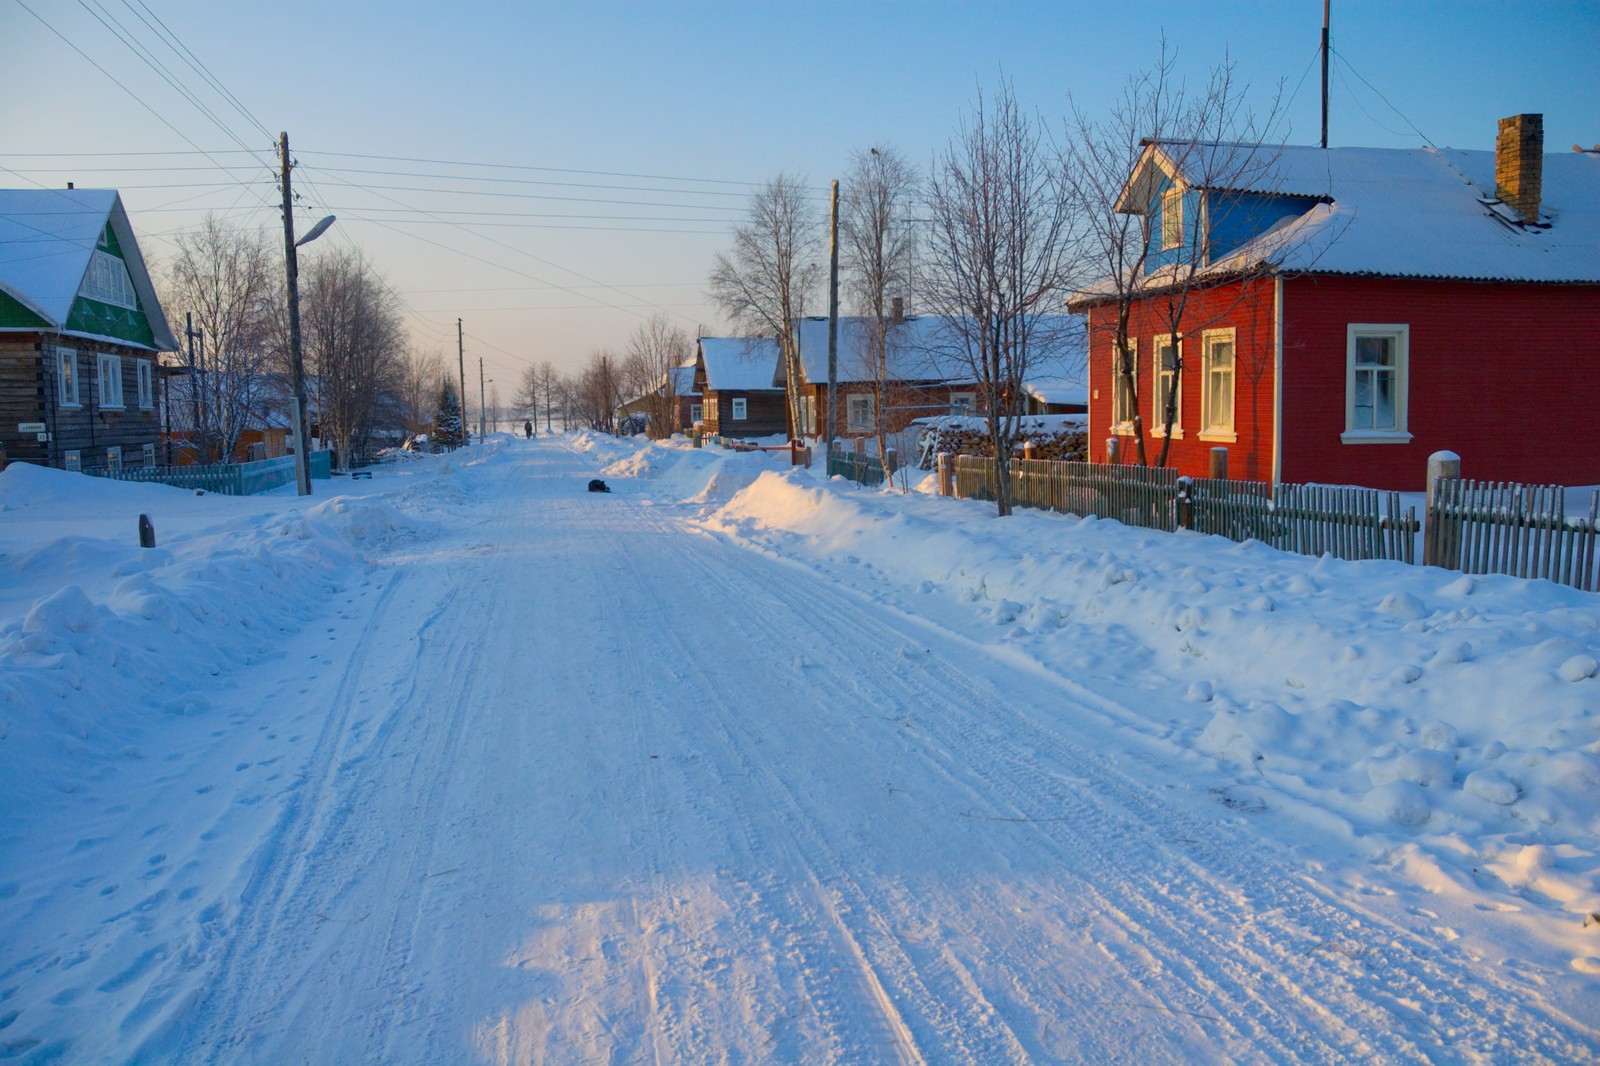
[
  {"x": 14, "y": 315},
  {"x": 107, "y": 320}
]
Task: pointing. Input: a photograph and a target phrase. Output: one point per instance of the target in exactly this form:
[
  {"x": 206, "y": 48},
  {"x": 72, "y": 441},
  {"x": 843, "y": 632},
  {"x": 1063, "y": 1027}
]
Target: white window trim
[
  {"x": 1220, "y": 434},
  {"x": 68, "y": 357},
  {"x": 963, "y": 403},
  {"x": 741, "y": 409},
  {"x": 144, "y": 376},
  {"x": 697, "y": 412},
  {"x": 108, "y": 282},
  {"x": 1401, "y": 332},
  {"x": 1125, "y": 427},
  {"x": 102, "y": 380},
  {"x": 853, "y": 403},
  {"x": 1158, "y": 411}
]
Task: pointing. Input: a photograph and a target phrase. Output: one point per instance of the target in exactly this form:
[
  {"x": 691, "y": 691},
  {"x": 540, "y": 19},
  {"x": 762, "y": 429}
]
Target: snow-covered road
[{"x": 578, "y": 780}]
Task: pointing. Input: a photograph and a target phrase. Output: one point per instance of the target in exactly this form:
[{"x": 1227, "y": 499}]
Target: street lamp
[{"x": 302, "y": 457}]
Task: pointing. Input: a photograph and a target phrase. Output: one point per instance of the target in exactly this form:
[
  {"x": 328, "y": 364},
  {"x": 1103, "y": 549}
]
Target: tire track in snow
[{"x": 1268, "y": 916}]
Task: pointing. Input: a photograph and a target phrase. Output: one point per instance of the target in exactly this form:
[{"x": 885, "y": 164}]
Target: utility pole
[
  {"x": 1326, "y": 4},
  {"x": 194, "y": 378},
  {"x": 461, "y": 362},
  {"x": 480, "y": 399},
  {"x": 833, "y": 316},
  {"x": 302, "y": 434}
]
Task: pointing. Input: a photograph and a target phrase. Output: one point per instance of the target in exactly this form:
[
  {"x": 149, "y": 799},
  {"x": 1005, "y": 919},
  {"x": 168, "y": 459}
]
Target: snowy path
[{"x": 581, "y": 784}]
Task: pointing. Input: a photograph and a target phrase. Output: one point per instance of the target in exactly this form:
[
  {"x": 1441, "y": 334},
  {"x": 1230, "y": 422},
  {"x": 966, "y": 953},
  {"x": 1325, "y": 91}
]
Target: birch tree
[
  {"x": 656, "y": 349},
  {"x": 764, "y": 281},
  {"x": 997, "y": 251},
  {"x": 879, "y": 255},
  {"x": 226, "y": 278},
  {"x": 354, "y": 346}
]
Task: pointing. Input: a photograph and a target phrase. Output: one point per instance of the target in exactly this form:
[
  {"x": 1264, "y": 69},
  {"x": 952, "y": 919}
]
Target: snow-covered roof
[
  {"x": 1066, "y": 389},
  {"x": 47, "y": 239},
  {"x": 1426, "y": 213},
  {"x": 683, "y": 381},
  {"x": 739, "y": 364},
  {"x": 922, "y": 348},
  {"x": 1418, "y": 213}
]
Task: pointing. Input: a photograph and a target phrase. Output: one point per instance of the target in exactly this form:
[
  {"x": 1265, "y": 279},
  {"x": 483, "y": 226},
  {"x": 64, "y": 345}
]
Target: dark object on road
[{"x": 596, "y": 485}]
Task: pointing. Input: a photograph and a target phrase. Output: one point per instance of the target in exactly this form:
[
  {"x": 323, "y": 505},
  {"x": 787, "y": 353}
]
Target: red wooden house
[{"x": 1360, "y": 309}]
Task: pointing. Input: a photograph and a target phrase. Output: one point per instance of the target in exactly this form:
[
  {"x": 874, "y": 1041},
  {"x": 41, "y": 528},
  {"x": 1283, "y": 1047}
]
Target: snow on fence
[
  {"x": 227, "y": 479},
  {"x": 1348, "y": 523},
  {"x": 1498, "y": 527}
]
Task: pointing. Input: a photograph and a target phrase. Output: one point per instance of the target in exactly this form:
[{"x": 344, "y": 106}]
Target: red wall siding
[
  {"x": 1503, "y": 375},
  {"x": 1247, "y": 308}
]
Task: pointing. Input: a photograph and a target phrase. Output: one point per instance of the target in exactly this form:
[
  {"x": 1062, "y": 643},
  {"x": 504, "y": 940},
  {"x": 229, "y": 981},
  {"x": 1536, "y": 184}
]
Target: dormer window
[{"x": 1171, "y": 218}]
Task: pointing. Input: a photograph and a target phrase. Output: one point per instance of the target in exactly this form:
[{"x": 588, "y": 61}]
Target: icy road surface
[{"x": 575, "y": 781}]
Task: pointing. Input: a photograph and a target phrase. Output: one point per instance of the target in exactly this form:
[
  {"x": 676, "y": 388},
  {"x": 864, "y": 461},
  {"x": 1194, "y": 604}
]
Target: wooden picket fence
[
  {"x": 1347, "y": 523},
  {"x": 1498, "y": 527}
]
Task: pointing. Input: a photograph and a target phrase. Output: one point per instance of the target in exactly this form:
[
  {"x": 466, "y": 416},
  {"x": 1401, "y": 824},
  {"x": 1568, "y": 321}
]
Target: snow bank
[
  {"x": 1403, "y": 711},
  {"x": 114, "y": 636}
]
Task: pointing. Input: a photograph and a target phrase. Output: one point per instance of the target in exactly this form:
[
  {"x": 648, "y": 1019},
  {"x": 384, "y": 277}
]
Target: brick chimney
[
  {"x": 897, "y": 310},
  {"x": 1519, "y": 164}
]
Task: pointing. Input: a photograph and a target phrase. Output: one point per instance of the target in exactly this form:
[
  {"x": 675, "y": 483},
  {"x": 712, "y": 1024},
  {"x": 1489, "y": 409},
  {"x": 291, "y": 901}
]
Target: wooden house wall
[
  {"x": 767, "y": 414},
  {"x": 29, "y": 393}
]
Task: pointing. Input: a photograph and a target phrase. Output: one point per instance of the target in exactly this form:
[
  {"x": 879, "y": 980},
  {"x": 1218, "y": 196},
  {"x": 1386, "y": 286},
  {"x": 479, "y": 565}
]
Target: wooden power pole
[{"x": 833, "y": 316}]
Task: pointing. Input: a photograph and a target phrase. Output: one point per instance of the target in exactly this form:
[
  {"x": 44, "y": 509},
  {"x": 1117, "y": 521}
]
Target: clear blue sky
[{"x": 613, "y": 98}]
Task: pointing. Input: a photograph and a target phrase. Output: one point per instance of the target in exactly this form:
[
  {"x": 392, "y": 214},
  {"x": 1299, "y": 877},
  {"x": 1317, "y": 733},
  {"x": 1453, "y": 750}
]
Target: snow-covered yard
[{"x": 740, "y": 764}]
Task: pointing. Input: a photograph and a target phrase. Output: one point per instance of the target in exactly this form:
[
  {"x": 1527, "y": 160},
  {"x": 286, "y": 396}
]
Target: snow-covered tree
[{"x": 447, "y": 417}]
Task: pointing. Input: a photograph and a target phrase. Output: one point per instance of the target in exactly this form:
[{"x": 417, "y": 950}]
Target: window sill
[
  {"x": 1374, "y": 436},
  {"x": 1177, "y": 433},
  {"x": 1219, "y": 436},
  {"x": 113, "y": 407},
  {"x": 1122, "y": 429},
  {"x": 70, "y": 406}
]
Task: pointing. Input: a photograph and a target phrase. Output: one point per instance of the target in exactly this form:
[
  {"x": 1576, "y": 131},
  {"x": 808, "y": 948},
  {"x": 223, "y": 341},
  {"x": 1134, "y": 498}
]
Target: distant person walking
[{"x": 527, "y": 430}]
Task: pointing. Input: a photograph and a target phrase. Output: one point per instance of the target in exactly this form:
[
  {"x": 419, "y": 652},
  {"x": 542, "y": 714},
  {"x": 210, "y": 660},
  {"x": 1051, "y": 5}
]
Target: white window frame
[
  {"x": 72, "y": 461},
  {"x": 1172, "y": 217},
  {"x": 963, "y": 403},
  {"x": 857, "y": 404},
  {"x": 108, "y": 282},
  {"x": 1163, "y": 379},
  {"x": 1399, "y": 334},
  {"x": 741, "y": 409},
  {"x": 697, "y": 413},
  {"x": 144, "y": 375},
  {"x": 114, "y": 459},
  {"x": 1122, "y": 402},
  {"x": 808, "y": 415},
  {"x": 108, "y": 379},
  {"x": 149, "y": 454},
  {"x": 711, "y": 409},
  {"x": 1212, "y": 428},
  {"x": 67, "y": 388}
]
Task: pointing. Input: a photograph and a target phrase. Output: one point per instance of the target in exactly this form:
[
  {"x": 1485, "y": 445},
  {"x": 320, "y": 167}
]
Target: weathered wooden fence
[
  {"x": 227, "y": 479},
  {"x": 1498, "y": 527},
  {"x": 1348, "y": 523}
]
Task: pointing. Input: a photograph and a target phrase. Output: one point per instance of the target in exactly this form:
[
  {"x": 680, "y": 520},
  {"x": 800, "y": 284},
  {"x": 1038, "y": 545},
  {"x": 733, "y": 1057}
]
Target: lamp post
[{"x": 302, "y": 457}]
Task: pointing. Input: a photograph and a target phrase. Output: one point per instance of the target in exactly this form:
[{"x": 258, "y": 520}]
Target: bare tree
[
  {"x": 422, "y": 375},
  {"x": 879, "y": 245},
  {"x": 549, "y": 386},
  {"x": 1099, "y": 155},
  {"x": 1153, "y": 227},
  {"x": 654, "y": 352},
  {"x": 763, "y": 283},
  {"x": 226, "y": 278},
  {"x": 997, "y": 250},
  {"x": 354, "y": 344},
  {"x": 594, "y": 395}
]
